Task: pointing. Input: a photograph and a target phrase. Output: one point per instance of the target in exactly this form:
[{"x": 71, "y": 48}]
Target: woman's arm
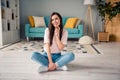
[
  {"x": 47, "y": 45},
  {"x": 59, "y": 43},
  {"x": 51, "y": 65}
]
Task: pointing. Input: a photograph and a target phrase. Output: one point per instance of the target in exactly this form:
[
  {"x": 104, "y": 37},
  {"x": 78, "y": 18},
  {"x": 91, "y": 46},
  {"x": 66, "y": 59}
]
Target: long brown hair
[{"x": 52, "y": 28}]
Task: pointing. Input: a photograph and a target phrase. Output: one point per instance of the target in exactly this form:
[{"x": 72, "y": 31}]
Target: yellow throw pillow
[
  {"x": 31, "y": 20},
  {"x": 71, "y": 22}
]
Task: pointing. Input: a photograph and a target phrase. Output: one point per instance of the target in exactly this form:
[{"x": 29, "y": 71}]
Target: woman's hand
[{"x": 51, "y": 66}]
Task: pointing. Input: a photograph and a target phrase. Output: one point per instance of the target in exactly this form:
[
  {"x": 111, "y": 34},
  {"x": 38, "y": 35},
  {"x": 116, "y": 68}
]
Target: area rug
[{"x": 72, "y": 46}]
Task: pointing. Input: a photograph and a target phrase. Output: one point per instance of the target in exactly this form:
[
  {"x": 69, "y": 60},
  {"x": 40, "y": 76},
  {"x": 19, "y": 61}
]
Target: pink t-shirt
[{"x": 54, "y": 48}]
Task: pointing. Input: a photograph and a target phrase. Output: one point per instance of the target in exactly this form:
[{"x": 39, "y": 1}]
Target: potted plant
[{"x": 107, "y": 11}]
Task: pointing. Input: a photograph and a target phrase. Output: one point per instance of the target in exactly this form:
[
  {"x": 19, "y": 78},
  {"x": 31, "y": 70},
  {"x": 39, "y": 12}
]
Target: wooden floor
[{"x": 105, "y": 66}]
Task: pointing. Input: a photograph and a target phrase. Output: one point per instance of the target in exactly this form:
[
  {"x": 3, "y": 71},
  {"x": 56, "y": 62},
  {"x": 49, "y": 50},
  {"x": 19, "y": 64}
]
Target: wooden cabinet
[
  {"x": 9, "y": 19},
  {"x": 103, "y": 36}
]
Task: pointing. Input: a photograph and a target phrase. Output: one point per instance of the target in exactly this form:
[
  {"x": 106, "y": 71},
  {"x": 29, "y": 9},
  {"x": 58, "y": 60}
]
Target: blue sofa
[{"x": 39, "y": 32}]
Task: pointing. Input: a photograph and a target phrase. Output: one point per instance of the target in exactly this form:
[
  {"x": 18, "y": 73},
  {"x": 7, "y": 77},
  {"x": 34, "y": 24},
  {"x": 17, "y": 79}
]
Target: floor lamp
[{"x": 88, "y": 17}]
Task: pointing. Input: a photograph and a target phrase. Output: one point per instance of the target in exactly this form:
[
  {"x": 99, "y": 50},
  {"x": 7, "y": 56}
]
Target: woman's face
[{"x": 55, "y": 21}]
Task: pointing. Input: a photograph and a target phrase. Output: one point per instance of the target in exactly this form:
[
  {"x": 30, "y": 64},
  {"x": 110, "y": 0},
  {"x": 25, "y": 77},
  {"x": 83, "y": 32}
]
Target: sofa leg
[{"x": 27, "y": 38}]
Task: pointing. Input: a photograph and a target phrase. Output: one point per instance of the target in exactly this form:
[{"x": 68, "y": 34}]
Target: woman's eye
[
  {"x": 56, "y": 18},
  {"x": 52, "y": 19}
]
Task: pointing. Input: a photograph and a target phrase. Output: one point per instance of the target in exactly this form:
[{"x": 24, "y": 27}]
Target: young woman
[{"x": 55, "y": 39}]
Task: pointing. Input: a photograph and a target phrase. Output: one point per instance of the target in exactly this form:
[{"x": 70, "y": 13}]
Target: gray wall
[{"x": 64, "y": 7}]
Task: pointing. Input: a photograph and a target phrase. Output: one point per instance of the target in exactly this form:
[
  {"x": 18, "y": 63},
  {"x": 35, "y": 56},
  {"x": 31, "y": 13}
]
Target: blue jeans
[{"x": 61, "y": 60}]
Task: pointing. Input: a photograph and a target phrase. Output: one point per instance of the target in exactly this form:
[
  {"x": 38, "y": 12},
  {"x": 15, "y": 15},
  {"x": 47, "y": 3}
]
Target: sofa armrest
[
  {"x": 27, "y": 28},
  {"x": 80, "y": 28}
]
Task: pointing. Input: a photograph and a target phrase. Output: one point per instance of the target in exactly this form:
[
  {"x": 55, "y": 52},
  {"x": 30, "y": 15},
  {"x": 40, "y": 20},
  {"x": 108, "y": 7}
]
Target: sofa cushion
[
  {"x": 64, "y": 19},
  {"x": 47, "y": 20},
  {"x": 35, "y": 30},
  {"x": 72, "y": 31},
  {"x": 31, "y": 21},
  {"x": 77, "y": 23},
  {"x": 71, "y": 22},
  {"x": 39, "y": 21}
]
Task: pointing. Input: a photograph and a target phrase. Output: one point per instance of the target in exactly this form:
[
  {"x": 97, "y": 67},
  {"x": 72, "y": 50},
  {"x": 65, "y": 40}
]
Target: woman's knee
[
  {"x": 34, "y": 55},
  {"x": 71, "y": 56}
]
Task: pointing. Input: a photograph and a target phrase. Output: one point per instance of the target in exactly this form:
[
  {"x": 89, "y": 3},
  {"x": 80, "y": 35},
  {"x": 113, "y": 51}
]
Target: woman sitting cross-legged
[{"x": 55, "y": 39}]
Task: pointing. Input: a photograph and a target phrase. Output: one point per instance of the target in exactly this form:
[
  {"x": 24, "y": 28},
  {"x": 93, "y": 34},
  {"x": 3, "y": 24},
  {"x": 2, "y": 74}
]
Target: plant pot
[{"x": 103, "y": 36}]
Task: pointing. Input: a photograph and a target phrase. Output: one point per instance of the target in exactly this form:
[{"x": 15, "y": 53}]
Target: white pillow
[
  {"x": 77, "y": 23},
  {"x": 39, "y": 21}
]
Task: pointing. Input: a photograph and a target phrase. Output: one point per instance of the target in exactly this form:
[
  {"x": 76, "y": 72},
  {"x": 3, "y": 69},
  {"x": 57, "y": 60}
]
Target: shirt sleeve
[
  {"x": 64, "y": 37},
  {"x": 46, "y": 36}
]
